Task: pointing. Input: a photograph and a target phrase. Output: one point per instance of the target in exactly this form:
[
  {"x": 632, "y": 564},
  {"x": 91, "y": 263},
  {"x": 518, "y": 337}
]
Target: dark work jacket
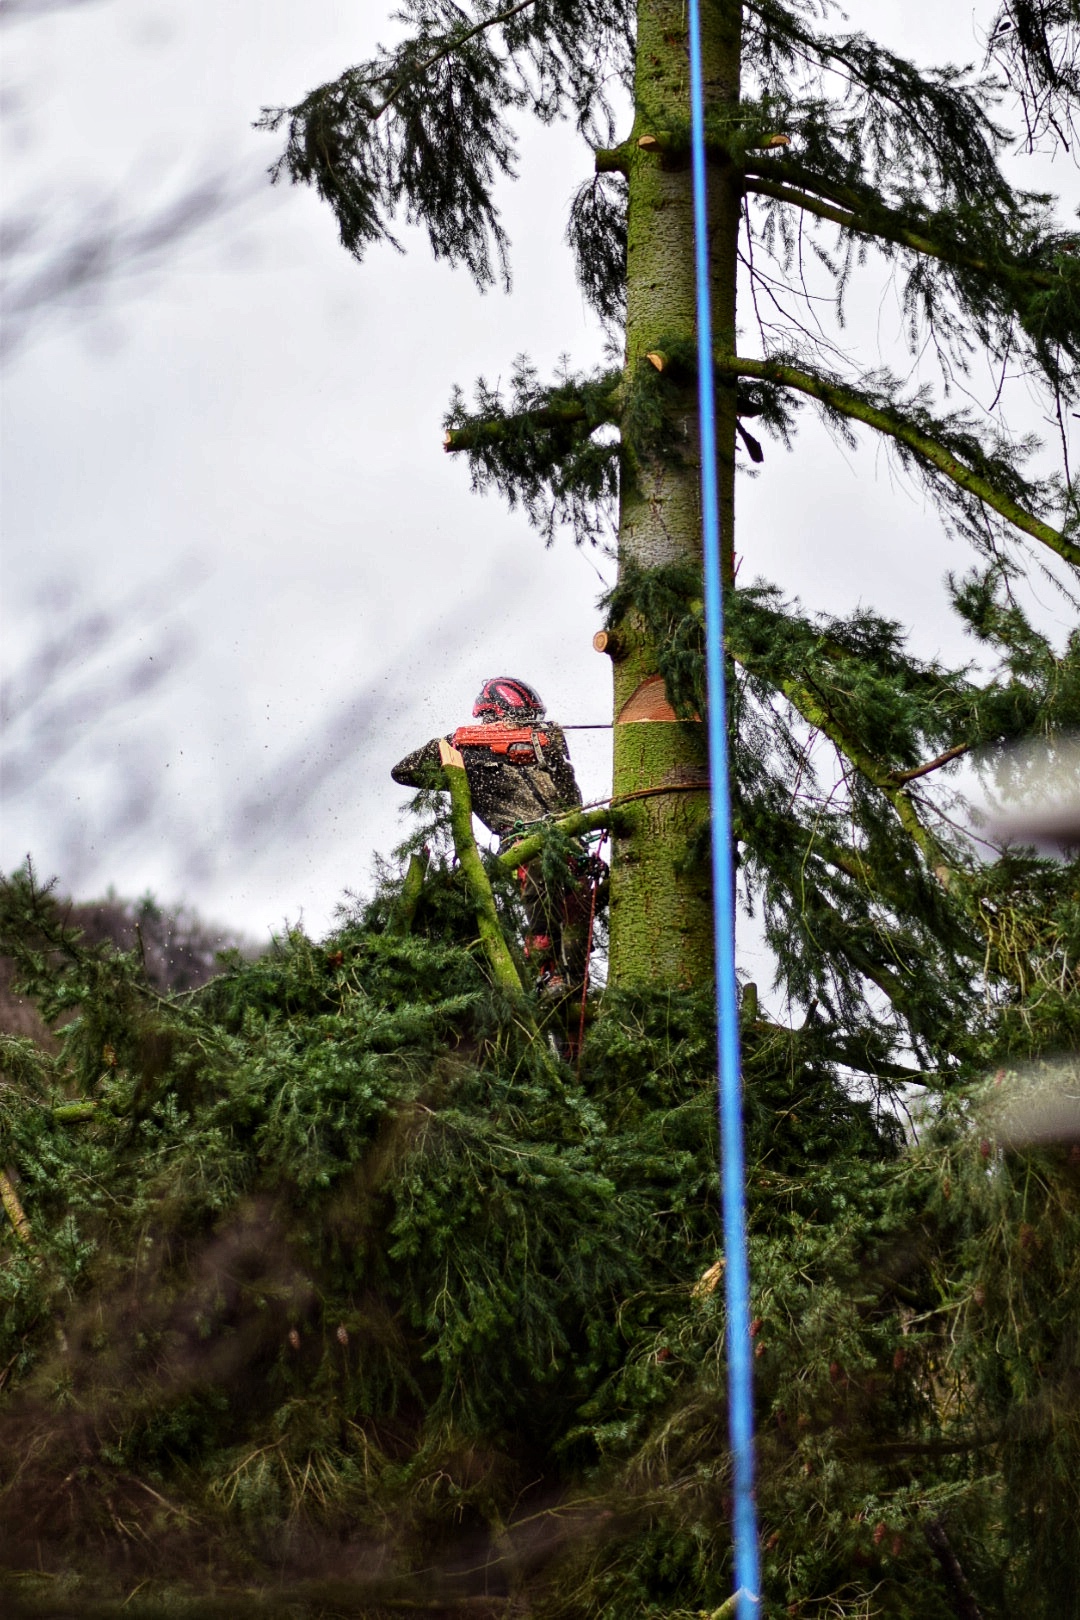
[{"x": 504, "y": 792}]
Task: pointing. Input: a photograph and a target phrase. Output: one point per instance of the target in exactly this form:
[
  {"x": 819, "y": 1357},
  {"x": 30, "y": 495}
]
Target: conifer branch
[
  {"x": 952, "y": 128},
  {"x": 449, "y": 48},
  {"x": 933, "y": 764},
  {"x": 539, "y": 448},
  {"x": 849, "y": 861},
  {"x": 476, "y": 879},
  {"x": 790, "y": 181},
  {"x": 939, "y": 1544},
  {"x": 425, "y": 129},
  {"x": 571, "y": 826},
  {"x": 831, "y": 854},
  {"x": 886, "y": 980},
  {"x": 74, "y": 1113},
  {"x": 15, "y": 1212},
  {"x": 612, "y": 159},
  {"x": 492, "y": 430},
  {"x": 884, "y": 223},
  {"x": 401, "y": 917},
  {"x": 814, "y": 710},
  {"x": 728, "y": 1608},
  {"x": 859, "y": 407}
]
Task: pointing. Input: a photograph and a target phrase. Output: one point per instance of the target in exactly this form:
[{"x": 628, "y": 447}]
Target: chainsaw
[{"x": 519, "y": 744}]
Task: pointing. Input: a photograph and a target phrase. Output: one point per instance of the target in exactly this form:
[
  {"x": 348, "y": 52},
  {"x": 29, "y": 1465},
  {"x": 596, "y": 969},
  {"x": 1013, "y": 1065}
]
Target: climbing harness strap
[{"x": 733, "y": 1175}]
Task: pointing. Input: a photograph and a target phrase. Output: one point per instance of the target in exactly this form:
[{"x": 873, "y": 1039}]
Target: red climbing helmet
[{"x": 507, "y": 698}]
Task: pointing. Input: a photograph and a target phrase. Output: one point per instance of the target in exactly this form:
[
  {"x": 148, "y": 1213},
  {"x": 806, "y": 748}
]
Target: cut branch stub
[
  {"x": 610, "y": 642},
  {"x": 612, "y": 159},
  {"x": 449, "y": 755},
  {"x": 672, "y": 150}
]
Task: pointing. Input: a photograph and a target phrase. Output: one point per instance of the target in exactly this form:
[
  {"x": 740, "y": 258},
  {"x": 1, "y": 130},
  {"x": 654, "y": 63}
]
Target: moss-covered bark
[
  {"x": 401, "y": 917},
  {"x": 500, "y": 962},
  {"x": 660, "y": 917}
]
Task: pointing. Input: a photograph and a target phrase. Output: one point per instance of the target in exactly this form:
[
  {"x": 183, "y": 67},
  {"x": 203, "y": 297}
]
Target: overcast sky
[{"x": 240, "y": 577}]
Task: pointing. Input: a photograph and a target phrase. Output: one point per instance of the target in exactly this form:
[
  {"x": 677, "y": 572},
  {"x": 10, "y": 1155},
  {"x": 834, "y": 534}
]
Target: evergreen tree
[
  {"x": 332, "y": 1266},
  {"x": 324, "y": 1291},
  {"x": 825, "y": 147}
]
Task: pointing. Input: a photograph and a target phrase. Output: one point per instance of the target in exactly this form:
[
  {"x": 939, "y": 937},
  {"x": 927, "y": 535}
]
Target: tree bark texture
[{"x": 661, "y": 926}]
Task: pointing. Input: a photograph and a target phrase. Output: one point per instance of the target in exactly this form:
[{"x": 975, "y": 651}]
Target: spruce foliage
[
  {"x": 331, "y": 1268},
  {"x": 914, "y": 954},
  {"x": 336, "y": 1266},
  {"x": 831, "y": 154}
]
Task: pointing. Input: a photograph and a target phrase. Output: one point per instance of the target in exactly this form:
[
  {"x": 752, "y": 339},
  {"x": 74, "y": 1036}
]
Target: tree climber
[{"x": 519, "y": 773}]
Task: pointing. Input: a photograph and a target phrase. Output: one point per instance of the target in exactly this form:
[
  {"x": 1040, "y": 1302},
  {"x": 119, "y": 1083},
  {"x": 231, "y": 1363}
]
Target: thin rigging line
[{"x": 733, "y": 1176}]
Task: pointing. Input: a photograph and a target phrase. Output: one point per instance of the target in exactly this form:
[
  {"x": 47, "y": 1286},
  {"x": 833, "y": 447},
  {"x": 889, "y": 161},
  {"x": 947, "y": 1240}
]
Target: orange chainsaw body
[{"x": 501, "y": 739}]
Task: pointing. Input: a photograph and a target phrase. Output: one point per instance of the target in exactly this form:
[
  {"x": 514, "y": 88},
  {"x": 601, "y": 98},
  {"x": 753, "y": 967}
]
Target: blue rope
[{"x": 736, "y": 1270}]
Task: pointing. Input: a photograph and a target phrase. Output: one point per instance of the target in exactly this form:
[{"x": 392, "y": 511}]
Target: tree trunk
[{"x": 661, "y": 928}]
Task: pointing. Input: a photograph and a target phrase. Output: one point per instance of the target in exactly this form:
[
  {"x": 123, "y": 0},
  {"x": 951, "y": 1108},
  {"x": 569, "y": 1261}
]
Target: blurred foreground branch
[{"x": 45, "y": 270}]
